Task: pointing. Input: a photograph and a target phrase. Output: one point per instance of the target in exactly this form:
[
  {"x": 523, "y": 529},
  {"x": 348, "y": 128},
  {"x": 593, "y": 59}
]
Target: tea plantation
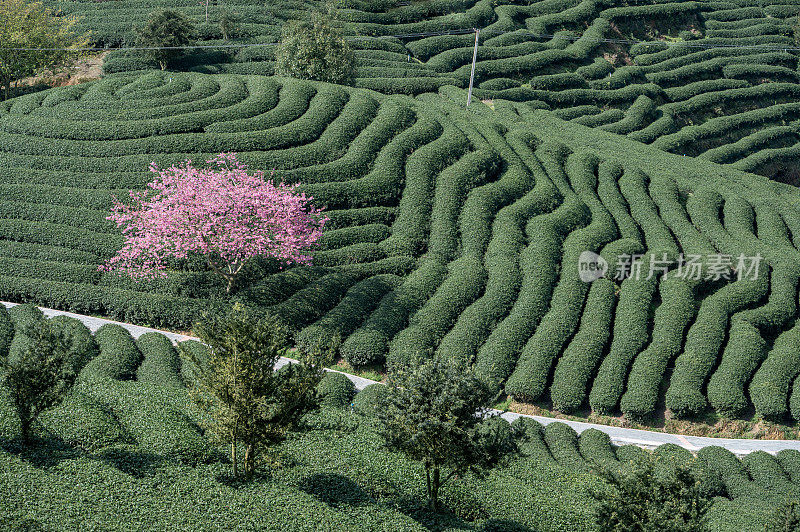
[
  {"x": 124, "y": 451},
  {"x": 714, "y": 79},
  {"x": 451, "y": 232},
  {"x": 598, "y": 130}
]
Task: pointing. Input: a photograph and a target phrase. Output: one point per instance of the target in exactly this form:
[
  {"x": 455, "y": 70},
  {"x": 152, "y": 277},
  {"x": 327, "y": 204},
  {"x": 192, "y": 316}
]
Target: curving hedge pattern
[{"x": 451, "y": 231}]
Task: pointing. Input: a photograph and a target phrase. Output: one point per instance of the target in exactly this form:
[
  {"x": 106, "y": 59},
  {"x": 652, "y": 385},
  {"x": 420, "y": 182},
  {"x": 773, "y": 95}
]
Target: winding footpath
[{"x": 618, "y": 435}]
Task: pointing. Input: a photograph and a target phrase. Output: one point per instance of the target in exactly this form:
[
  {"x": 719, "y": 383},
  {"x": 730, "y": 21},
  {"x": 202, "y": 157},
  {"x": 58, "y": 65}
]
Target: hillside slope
[
  {"x": 716, "y": 79},
  {"x": 451, "y": 231},
  {"x": 127, "y": 433}
]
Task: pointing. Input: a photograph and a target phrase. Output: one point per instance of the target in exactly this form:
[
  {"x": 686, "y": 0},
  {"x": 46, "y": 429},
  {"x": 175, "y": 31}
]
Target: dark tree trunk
[
  {"x": 25, "y": 430},
  {"x": 234, "y": 453},
  {"x": 435, "y": 491},
  {"x": 249, "y": 460},
  {"x": 433, "y": 483},
  {"x": 233, "y": 459},
  {"x": 428, "y": 483}
]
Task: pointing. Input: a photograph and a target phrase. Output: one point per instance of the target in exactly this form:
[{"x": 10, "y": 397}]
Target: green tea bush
[
  {"x": 770, "y": 387},
  {"x": 84, "y": 422},
  {"x": 82, "y": 345},
  {"x": 22, "y": 317},
  {"x": 596, "y": 448},
  {"x": 703, "y": 341},
  {"x": 629, "y": 338},
  {"x": 581, "y": 357},
  {"x": 746, "y": 348},
  {"x": 789, "y": 460},
  {"x": 336, "y": 390},
  {"x": 161, "y": 364},
  {"x": 646, "y": 373},
  {"x": 426, "y": 328},
  {"x": 536, "y": 360},
  {"x": 349, "y": 313},
  {"x": 366, "y": 400},
  {"x": 767, "y": 472},
  {"x": 562, "y": 441},
  {"x": 369, "y": 344},
  {"x": 119, "y": 356}
]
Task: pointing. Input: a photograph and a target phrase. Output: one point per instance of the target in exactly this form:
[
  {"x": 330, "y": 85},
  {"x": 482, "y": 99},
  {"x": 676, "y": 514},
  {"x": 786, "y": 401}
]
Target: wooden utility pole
[{"x": 472, "y": 73}]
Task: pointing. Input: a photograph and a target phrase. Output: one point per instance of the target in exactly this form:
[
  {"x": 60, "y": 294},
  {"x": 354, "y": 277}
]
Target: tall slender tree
[{"x": 249, "y": 404}]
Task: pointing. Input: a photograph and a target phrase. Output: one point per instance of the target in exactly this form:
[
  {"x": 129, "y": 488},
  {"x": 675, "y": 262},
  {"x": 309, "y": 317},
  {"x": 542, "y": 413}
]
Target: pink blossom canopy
[{"x": 221, "y": 212}]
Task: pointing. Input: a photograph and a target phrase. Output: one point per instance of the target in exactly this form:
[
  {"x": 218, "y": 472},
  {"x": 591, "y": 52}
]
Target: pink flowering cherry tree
[{"x": 222, "y": 213}]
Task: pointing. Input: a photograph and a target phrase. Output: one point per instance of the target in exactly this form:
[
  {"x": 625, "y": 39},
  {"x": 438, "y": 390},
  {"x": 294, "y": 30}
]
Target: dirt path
[{"x": 83, "y": 70}]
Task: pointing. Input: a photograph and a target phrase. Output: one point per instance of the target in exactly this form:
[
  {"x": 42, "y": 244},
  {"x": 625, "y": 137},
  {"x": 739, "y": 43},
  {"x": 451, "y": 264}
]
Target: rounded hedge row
[
  {"x": 335, "y": 390},
  {"x": 119, "y": 356}
]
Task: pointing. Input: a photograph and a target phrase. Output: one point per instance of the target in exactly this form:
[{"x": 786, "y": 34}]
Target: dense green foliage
[
  {"x": 163, "y": 34},
  {"x": 139, "y": 444},
  {"x": 32, "y": 38},
  {"x": 39, "y": 374},
  {"x": 335, "y": 389},
  {"x": 453, "y": 232},
  {"x": 648, "y": 497},
  {"x": 247, "y": 402},
  {"x": 316, "y": 50},
  {"x": 435, "y": 413}
]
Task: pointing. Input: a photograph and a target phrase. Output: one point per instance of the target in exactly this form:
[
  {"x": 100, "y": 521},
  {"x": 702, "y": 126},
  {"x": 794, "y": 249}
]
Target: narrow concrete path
[{"x": 618, "y": 435}]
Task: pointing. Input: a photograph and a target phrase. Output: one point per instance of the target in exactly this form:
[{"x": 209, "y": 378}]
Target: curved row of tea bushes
[
  {"x": 161, "y": 365},
  {"x": 537, "y": 359},
  {"x": 746, "y": 348},
  {"x": 646, "y": 374},
  {"x": 119, "y": 356},
  {"x": 539, "y": 266},
  {"x": 411, "y": 227},
  {"x": 771, "y": 384},
  {"x": 502, "y": 262},
  {"x": 369, "y": 344},
  {"x": 349, "y": 313},
  {"x": 631, "y": 323},
  {"x": 585, "y": 351}
]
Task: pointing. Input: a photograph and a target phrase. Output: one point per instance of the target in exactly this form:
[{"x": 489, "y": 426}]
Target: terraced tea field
[
  {"x": 127, "y": 422},
  {"x": 451, "y": 232},
  {"x": 714, "y": 79}
]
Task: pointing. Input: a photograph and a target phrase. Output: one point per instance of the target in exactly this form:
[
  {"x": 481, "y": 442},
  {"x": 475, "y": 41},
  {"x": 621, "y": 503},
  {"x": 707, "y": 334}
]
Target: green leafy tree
[
  {"x": 436, "y": 413},
  {"x": 642, "y": 498},
  {"x": 31, "y": 25},
  {"x": 40, "y": 374},
  {"x": 314, "y": 49},
  {"x": 248, "y": 402},
  {"x": 784, "y": 518},
  {"x": 164, "y": 33}
]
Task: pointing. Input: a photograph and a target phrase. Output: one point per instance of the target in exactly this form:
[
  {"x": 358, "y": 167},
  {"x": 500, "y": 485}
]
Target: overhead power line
[{"x": 699, "y": 44}]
